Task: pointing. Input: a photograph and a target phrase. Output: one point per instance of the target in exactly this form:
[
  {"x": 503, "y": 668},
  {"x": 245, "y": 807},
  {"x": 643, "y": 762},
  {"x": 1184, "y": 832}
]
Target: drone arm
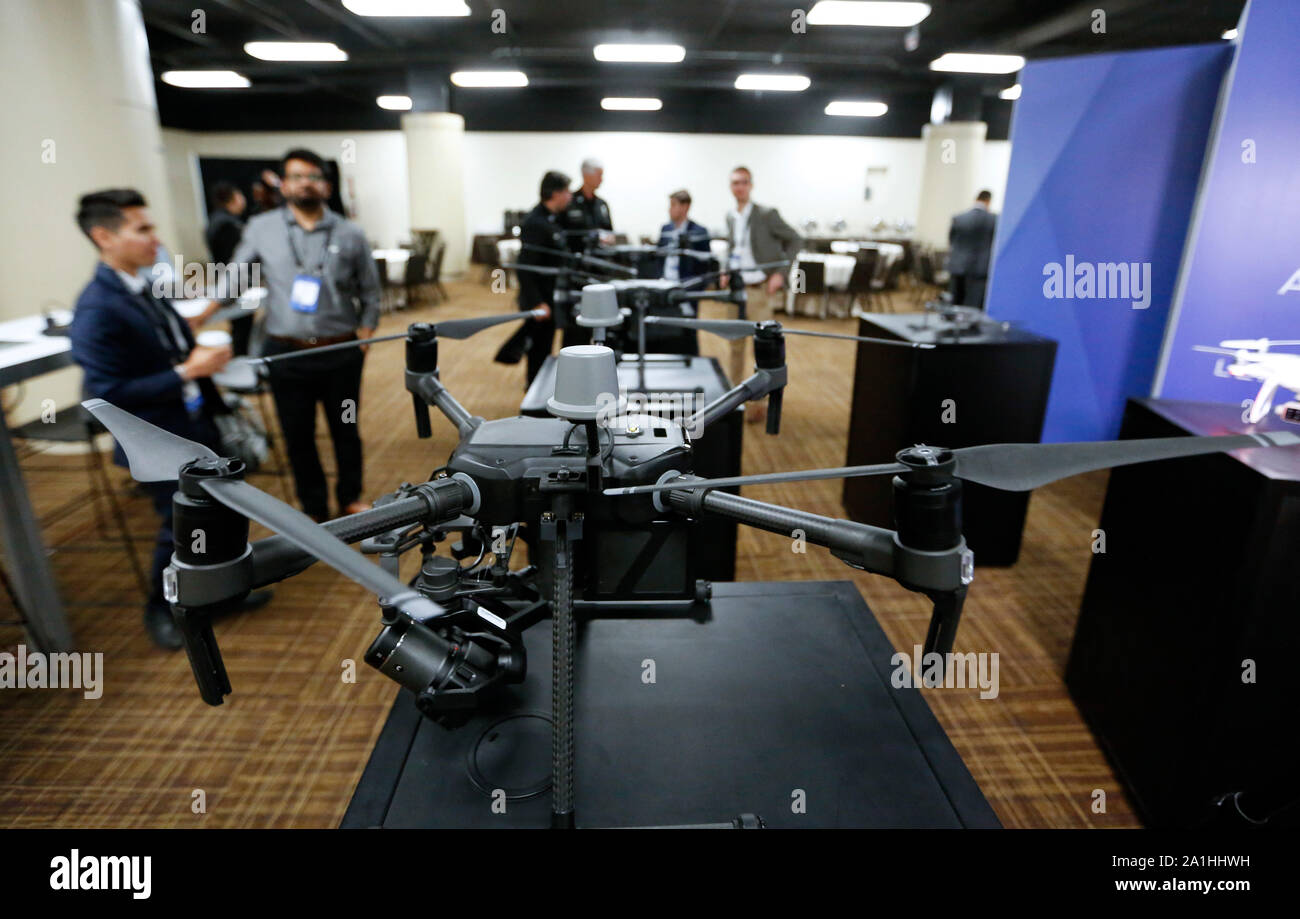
[
  {"x": 756, "y": 387},
  {"x": 275, "y": 558},
  {"x": 862, "y": 546},
  {"x": 429, "y": 388}
]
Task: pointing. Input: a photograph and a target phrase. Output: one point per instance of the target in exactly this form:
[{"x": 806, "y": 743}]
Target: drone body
[{"x": 1253, "y": 361}]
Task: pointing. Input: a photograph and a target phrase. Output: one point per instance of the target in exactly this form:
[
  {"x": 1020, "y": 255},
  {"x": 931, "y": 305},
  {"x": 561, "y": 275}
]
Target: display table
[
  {"x": 997, "y": 380},
  {"x": 25, "y": 353},
  {"x": 784, "y": 688},
  {"x": 697, "y": 381},
  {"x": 1199, "y": 576}
]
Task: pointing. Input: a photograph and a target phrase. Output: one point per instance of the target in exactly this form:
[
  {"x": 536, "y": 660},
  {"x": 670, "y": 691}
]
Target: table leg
[{"x": 29, "y": 569}]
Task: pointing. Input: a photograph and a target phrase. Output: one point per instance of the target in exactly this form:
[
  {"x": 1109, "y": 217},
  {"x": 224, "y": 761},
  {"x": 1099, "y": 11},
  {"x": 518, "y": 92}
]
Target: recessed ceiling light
[
  {"x": 407, "y": 7},
  {"x": 394, "y": 103},
  {"x": 640, "y": 54},
  {"x": 778, "y": 82},
  {"x": 489, "y": 78},
  {"x": 1011, "y": 93},
  {"x": 205, "y": 79},
  {"x": 295, "y": 51},
  {"x": 630, "y": 104},
  {"x": 1230, "y": 34},
  {"x": 850, "y": 108},
  {"x": 866, "y": 13},
  {"x": 978, "y": 63}
]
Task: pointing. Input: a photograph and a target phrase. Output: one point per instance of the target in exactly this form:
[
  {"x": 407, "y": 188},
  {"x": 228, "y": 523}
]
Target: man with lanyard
[
  {"x": 137, "y": 353},
  {"x": 587, "y": 216},
  {"x": 322, "y": 288}
]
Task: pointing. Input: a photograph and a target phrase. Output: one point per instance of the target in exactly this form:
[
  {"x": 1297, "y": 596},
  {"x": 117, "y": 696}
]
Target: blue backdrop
[
  {"x": 1106, "y": 154},
  {"x": 1241, "y": 274}
]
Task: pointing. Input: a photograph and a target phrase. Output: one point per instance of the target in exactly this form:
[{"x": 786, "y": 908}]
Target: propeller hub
[
  {"x": 768, "y": 328},
  {"x": 927, "y": 464},
  {"x": 221, "y": 467},
  {"x": 421, "y": 331}
]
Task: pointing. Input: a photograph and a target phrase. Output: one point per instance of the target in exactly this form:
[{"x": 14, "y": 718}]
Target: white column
[
  {"x": 954, "y": 152},
  {"x": 79, "y": 114},
  {"x": 436, "y": 172}
]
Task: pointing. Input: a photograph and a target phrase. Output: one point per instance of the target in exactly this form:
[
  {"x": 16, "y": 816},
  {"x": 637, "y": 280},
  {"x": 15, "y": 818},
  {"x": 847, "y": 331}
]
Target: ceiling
[{"x": 551, "y": 41}]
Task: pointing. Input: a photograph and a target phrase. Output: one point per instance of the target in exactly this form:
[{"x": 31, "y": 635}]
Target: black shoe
[{"x": 162, "y": 628}]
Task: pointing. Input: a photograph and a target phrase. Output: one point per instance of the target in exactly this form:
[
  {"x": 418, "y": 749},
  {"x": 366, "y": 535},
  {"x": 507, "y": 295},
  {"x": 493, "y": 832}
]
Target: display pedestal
[
  {"x": 779, "y": 701},
  {"x": 1198, "y": 578},
  {"x": 692, "y": 382},
  {"x": 971, "y": 389}
]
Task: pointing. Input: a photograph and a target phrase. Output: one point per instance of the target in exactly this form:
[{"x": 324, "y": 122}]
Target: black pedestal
[
  {"x": 997, "y": 380},
  {"x": 716, "y": 454},
  {"x": 782, "y": 696},
  {"x": 1201, "y": 573}
]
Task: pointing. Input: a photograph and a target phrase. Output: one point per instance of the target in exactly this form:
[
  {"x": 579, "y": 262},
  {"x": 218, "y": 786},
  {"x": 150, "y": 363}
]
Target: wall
[{"x": 819, "y": 177}]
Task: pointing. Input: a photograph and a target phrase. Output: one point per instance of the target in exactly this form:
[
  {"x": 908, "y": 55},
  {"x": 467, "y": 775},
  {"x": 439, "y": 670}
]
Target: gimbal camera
[{"x": 598, "y": 490}]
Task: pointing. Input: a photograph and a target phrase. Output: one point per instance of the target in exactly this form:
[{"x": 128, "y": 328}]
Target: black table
[
  {"x": 784, "y": 689},
  {"x": 1201, "y": 572},
  {"x": 998, "y": 379},
  {"x": 698, "y": 381}
]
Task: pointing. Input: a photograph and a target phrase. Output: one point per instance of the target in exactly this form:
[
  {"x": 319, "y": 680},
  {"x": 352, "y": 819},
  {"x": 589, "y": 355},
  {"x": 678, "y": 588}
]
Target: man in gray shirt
[{"x": 322, "y": 288}]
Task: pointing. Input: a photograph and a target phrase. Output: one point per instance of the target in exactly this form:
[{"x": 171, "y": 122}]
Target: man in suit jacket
[
  {"x": 541, "y": 229},
  {"x": 756, "y": 235},
  {"x": 970, "y": 243},
  {"x": 137, "y": 353},
  {"x": 681, "y": 232}
]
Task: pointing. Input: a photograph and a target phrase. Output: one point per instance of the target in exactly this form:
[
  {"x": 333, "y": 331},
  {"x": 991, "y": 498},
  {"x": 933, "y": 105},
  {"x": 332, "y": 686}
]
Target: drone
[
  {"x": 1252, "y": 360},
  {"x": 591, "y": 486}
]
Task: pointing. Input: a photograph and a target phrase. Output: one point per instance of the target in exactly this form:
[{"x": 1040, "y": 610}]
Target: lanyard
[{"x": 293, "y": 247}]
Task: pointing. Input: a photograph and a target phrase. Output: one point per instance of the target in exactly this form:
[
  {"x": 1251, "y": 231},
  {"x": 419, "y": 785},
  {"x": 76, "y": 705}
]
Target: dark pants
[
  {"x": 334, "y": 381},
  {"x": 241, "y": 330},
  {"x": 161, "y": 494},
  {"x": 968, "y": 290}
]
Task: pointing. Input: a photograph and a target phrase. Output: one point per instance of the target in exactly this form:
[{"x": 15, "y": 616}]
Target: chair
[
  {"x": 72, "y": 426},
  {"x": 814, "y": 282},
  {"x": 385, "y": 303},
  {"x": 258, "y": 386},
  {"x": 484, "y": 252},
  {"x": 864, "y": 272},
  {"x": 435, "y": 271},
  {"x": 415, "y": 278}
]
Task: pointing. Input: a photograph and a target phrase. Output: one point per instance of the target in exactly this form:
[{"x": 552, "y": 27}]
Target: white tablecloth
[
  {"x": 889, "y": 252},
  {"x": 396, "y": 260},
  {"x": 508, "y": 250}
]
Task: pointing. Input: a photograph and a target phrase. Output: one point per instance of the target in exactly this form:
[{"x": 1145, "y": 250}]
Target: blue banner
[
  {"x": 1241, "y": 274},
  {"x": 1106, "y": 154}
]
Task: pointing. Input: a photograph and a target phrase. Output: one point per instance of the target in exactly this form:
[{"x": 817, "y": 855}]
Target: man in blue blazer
[
  {"x": 139, "y": 354},
  {"x": 682, "y": 232}
]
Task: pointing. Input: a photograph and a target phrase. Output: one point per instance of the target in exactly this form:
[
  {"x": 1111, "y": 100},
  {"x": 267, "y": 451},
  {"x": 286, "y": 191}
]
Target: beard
[{"x": 307, "y": 201}]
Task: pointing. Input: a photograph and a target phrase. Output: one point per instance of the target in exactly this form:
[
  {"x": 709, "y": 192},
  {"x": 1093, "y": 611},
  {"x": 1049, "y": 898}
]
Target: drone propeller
[
  {"x": 1211, "y": 350},
  {"x": 700, "y": 279},
  {"x": 607, "y": 266},
  {"x": 1011, "y": 467},
  {"x": 456, "y": 329},
  {"x": 555, "y": 272},
  {"x": 735, "y": 329},
  {"x": 155, "y": 455}
]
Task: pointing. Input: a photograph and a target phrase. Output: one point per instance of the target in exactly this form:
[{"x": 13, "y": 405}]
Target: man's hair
[
  {"x": 551, "y": 183},
  {"x": 745, "y": 170},
  {"x": 306, "y": 156},
  {"x": 681, "y": 196},
  {"x": 591, "y": 164},
  {"x": 104, "y": 208},
  {"x": 223, "y": 193},
  {"x": 984, "y": 196}
]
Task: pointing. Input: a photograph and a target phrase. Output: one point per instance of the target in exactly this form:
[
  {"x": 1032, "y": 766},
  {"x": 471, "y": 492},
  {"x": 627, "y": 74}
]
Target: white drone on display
[{"x": 1252, "y": 360}]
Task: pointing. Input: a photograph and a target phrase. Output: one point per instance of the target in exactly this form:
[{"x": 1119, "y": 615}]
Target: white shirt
[
  {"x": 189, "y": 389},
  {"x": 672, "y": 264},
  {"x": 741, "y": 252}
]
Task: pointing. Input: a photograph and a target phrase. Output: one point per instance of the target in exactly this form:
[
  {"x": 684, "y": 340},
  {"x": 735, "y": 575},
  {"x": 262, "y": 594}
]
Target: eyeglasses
[{"x": 304, "y": 177}]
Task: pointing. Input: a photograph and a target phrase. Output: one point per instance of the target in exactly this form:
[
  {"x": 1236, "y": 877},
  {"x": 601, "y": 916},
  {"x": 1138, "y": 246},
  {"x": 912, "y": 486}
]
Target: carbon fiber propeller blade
[
  {"x": 735, "y": 329},
  {"x": 309, "y": 536},
  {"x": 153, "y": 455},
  {"x": 1021, "y": 467},
  {"x": 460, "y": 329}
]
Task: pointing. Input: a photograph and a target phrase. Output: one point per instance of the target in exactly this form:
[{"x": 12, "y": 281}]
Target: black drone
[{"x": 595, "y": 491}]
